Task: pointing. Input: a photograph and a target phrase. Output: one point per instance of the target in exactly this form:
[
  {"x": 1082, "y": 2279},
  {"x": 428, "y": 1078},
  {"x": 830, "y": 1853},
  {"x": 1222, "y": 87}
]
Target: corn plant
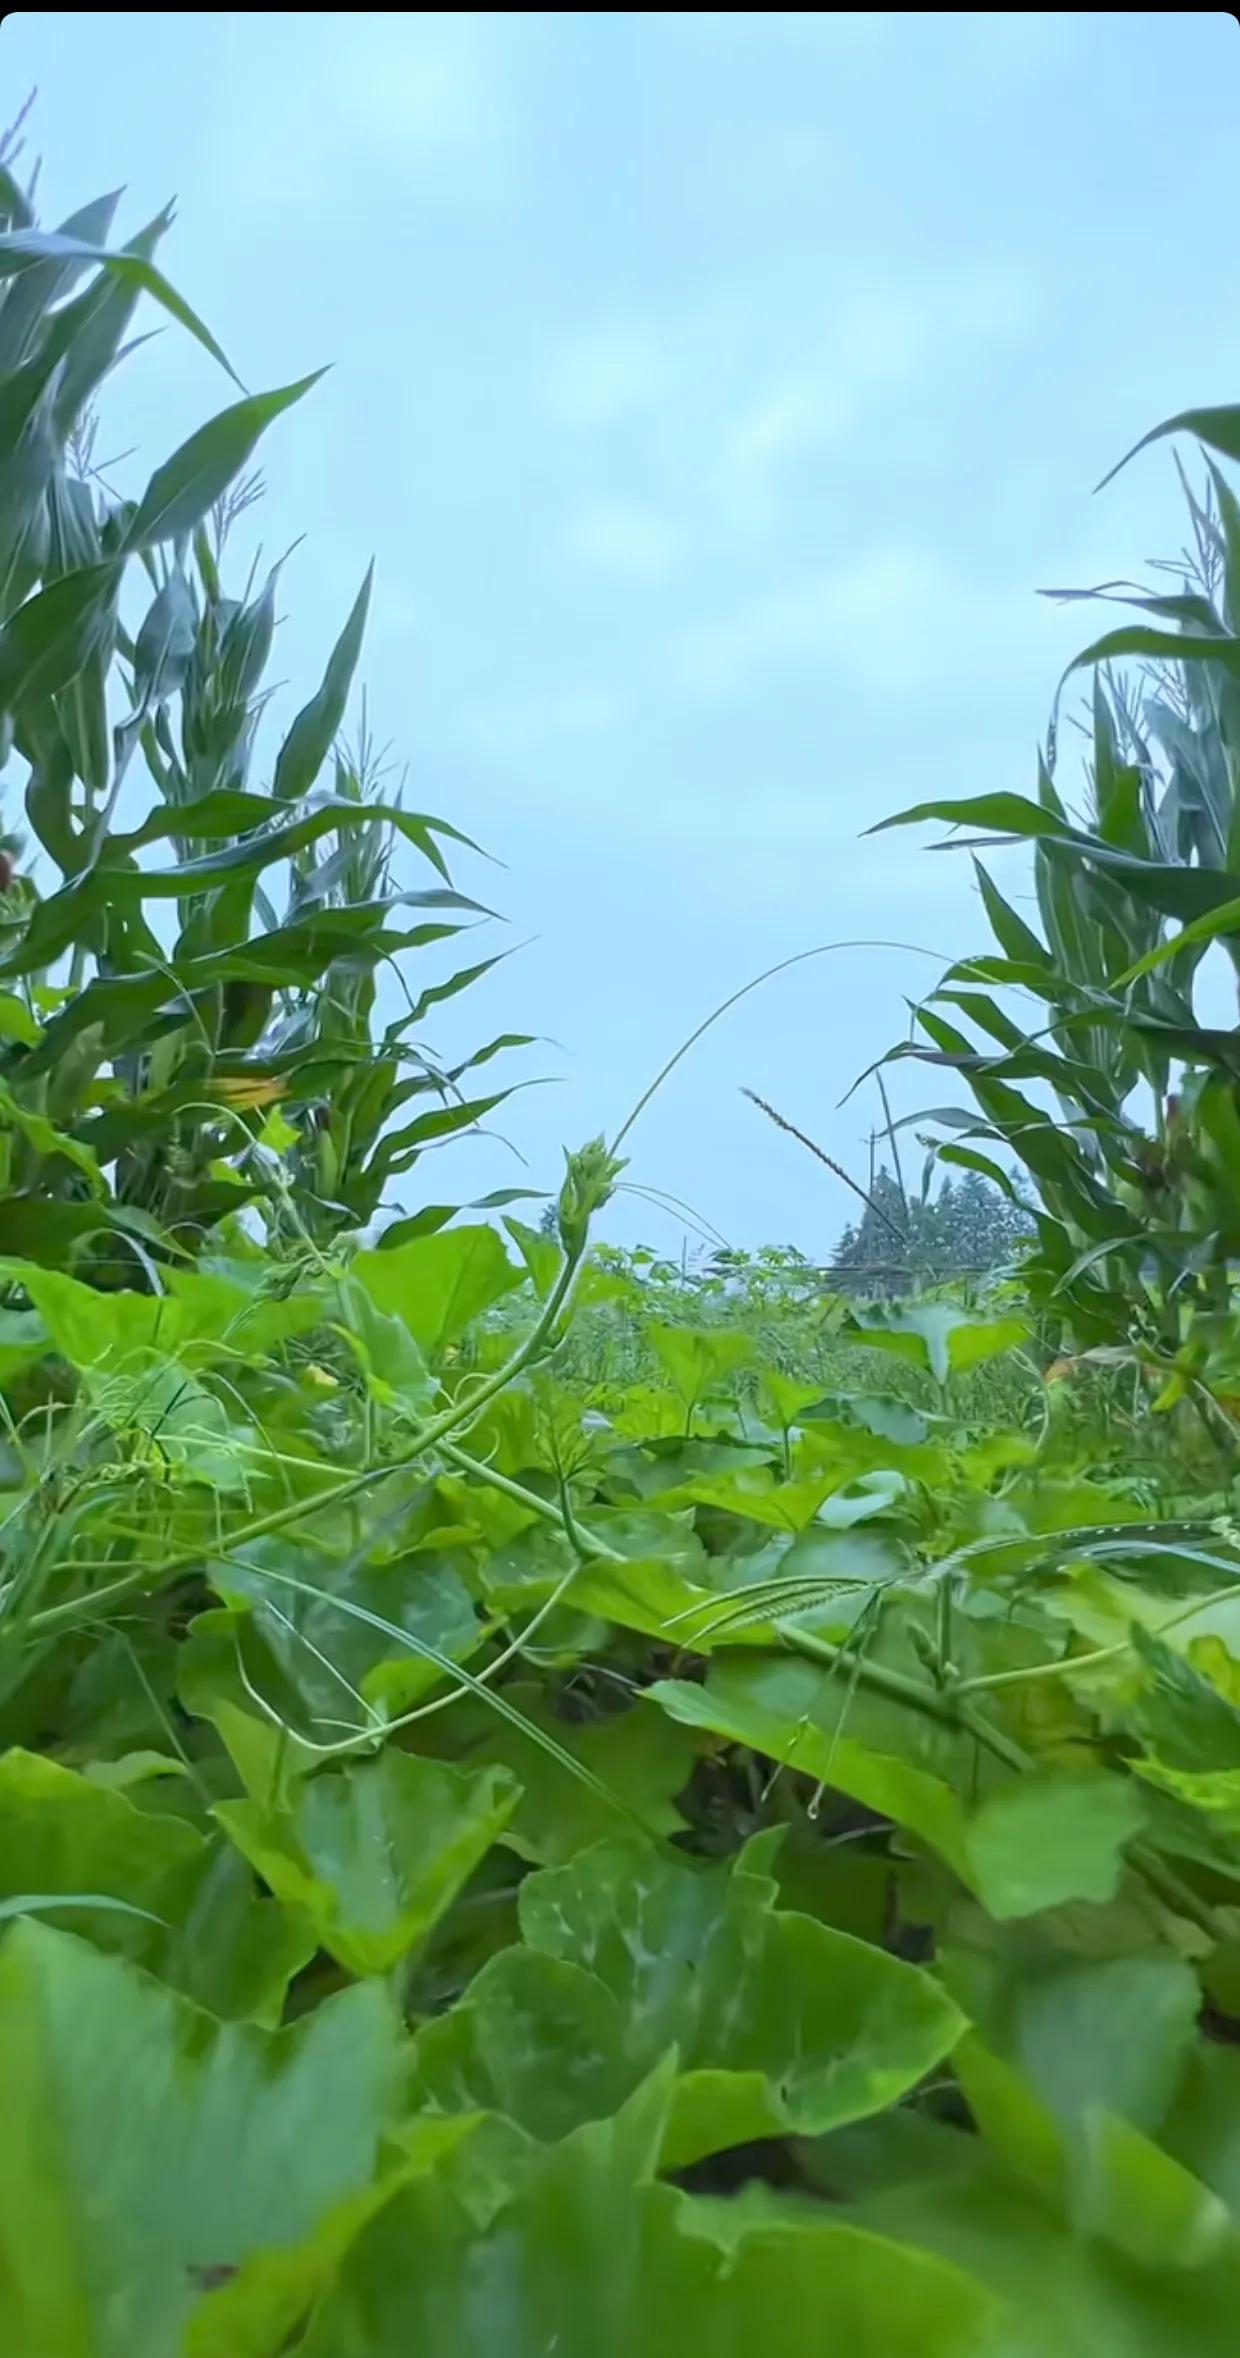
[
  {"x": 169, "y": 1035},
  {"x": 1133, "y": 1137}
]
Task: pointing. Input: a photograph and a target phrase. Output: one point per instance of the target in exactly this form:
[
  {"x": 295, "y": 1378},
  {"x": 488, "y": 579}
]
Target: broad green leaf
[
  {"x": 47, "y": 1140},
  {"x": 1052, "y": 1837},
  {"x": 325, "y": 1656},
  {"x": 1202, "y": 2129},
  {"x": 375, "y": 1852},
  {"x": 696, "y": 1359},
  {"x": 1182, "y": 1715},
  {"x": 1065, "y": 2293},
  {"x": 204, "y": 1318},
  {"x": 943, "y": 1340},
  {"x": 392, "y": 1363},
  {"x": 655, "y": 1565},
  {"x": 1145, "y": 2205},
  {"x": 761, "y": 1496},
  {"x": 640, "y": 1755},
  {"x": 194, "y": 1917},
  {"x": 780, "y": 2023},
  {"x": 1090, "y": 2034},
  {"x": 591, "y": 2260},
  {"x": 773, "y": 1707},
  {"x": 534, "y": 2038},
  {"x": 63, "y": 1835},
  {"x": 438, "y": 1284},
  {"x": 231, "y": 1952},
  {"x": 258, "y": 2311},
  {"x": 143, "y": 2148}
]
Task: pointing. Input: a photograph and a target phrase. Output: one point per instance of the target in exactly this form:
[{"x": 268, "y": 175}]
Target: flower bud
[{"x": 589, "y": 1182}]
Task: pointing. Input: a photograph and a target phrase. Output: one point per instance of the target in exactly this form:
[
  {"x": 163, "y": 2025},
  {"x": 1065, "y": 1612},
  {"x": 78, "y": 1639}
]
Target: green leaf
[
  {"x": 536, "y": 2039},
  {"x": 229, "y": 1951},
  {"x": 22, "y": 249},
  {"x": 1222, "y": 920},
  {"x": 1182, "y": 1716},
  {"x": 590, "y": 2257},
  {"x": 1004, "y": 814},
  {"x": 86, "y": 334},
  {"x": 1090, "y": 2034},
  {"x": 781, "y": 2024},
  {"x": 943, "y": 1340},
  {"x": 1135, "y": 642},
  {"x": 639, "y": 1755},
  {"x": 374, "y": 1853},
  {"x": 1215, "y": 1792},
  {"x": 784, "y": 1710},
  {"x": 52, "y": 638},
  {"x": 195, "y": 1920},
  {"x": 144, "y": 2148},
  {"x": 47, "y": 1140},
  {"x": 1065, "y": 2293},
  {"x": 1050, "y": 1838},
  {"x": 325, "y": 1655},
  {"x": 259, "y": 2311},
  {"x": 163, "y": 649},
  {"x": 438, "y": 1284},
  {"x": 1219, "y": 428},
  {"x": 1202, "y": 2130},
  {"x": 313, "y": 733},
  {"x": 698, "y": 1358},
  {"x": 541, "y": 1255},
  {"x": 64, "y": 1837},
  {"x": 187, "y": 486},
  {"x": 395, "y": 1370}
]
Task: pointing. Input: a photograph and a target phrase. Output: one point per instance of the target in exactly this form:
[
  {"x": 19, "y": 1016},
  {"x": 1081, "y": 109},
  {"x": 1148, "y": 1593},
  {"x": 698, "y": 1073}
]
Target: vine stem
[
  {"x": 1070, "y": 1663},
  {"x": 339, "y": 1494}
]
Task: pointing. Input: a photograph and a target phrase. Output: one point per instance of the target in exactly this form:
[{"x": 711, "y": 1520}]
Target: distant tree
[{"x": 969, "y": 1228}]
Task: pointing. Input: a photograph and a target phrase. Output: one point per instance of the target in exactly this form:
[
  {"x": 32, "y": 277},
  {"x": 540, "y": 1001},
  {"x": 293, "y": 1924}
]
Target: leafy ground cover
[{"x": 546, "y": 1807}]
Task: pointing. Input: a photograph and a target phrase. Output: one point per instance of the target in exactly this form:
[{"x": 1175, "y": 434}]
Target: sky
[{"x": 714, "y": 393}]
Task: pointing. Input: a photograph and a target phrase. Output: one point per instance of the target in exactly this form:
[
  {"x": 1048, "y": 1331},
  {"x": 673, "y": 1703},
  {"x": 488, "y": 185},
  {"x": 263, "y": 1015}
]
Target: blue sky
[{"x": 714, "y": 393}]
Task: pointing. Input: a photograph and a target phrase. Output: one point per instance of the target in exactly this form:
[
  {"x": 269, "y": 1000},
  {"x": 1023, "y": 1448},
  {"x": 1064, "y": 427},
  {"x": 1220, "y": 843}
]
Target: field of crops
[{"x": 554, "y": 1805}]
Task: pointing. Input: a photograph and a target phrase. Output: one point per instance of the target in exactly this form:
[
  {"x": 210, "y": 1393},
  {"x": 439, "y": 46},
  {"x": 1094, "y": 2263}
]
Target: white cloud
[
  {"x": 883, "y": 337},
  {"x": 604, "y": 374},
  {"x": 789, "y": 419},
  {"x": 886, "y": 334},
  {"x": 622, "y": 536},
  {"x": 896, "y": 620}
]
